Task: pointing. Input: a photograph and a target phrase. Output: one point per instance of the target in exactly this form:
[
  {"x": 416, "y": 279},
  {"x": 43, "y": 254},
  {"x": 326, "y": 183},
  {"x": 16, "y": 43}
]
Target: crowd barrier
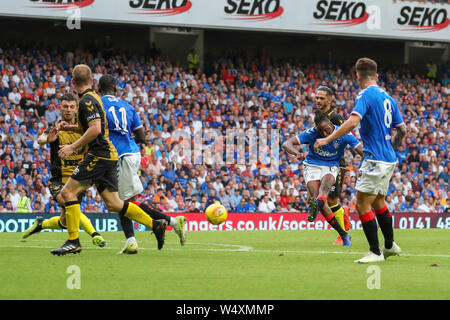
[{"x": 19, "y": 222}]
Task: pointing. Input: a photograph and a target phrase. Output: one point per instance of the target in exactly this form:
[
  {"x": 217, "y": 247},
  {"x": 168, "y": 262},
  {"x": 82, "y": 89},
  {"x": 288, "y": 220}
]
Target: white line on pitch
[{"x": 237, "y": 248}]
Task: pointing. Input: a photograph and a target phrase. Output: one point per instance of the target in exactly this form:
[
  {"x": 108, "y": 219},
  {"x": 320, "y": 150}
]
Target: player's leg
[
  {"x": 128, "y": 187},
  {"x": 364, "y": 208},
  {"x": 40, "y": 224},
  {"x": 334, "y": 202},
  {"x": 58, "y": 223},
  {"x": 178, "y": 223},
  {"x": 368, "y": 186},
  {"x": 326, "y": 184},
  {"x": 383, "y": 215},
  {"x": 133, "y": 212},
  {"x": 313, "y": 187},
  {"x": 107, "y": 186},
  {"x": 70, "y": 193},
  {"x": 384, "y": 219},
  {"x": 312, "y": 176}
]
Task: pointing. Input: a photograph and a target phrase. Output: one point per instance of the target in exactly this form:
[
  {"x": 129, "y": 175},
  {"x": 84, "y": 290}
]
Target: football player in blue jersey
[
  {"x": 377, "y": 113},
  {"x": 321, "y": 167},
  {"x": 123, "y": 123}
]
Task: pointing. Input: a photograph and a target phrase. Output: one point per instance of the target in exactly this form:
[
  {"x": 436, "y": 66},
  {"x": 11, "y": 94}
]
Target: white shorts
[
  {"x": 374, "y": 177},
  {"x": 127, "y": 172},
  {"x": 314, "y": 172}
]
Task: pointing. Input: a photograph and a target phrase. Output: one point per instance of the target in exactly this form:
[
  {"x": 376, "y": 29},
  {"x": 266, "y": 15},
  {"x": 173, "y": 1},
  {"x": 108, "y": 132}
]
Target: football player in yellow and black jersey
[
  {"x": 61, "y": 171},
  {"x": 323, "y": 103},
  {"x": 98, "y": 168}
]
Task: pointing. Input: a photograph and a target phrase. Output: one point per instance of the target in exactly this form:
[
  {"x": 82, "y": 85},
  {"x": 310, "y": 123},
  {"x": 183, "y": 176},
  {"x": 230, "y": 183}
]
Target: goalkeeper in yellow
[{"x": 61, "y": 171}]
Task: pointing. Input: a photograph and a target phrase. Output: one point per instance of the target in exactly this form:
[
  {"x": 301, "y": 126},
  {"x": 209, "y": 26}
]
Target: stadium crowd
[{"x": 231, "y": 92}]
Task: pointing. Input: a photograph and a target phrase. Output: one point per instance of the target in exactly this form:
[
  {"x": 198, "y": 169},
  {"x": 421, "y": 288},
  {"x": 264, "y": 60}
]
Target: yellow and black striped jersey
[
  {"x": 61, "y": 169},
  {"x": 90, "y": 108},
  {"x": 334, "y": 117}
]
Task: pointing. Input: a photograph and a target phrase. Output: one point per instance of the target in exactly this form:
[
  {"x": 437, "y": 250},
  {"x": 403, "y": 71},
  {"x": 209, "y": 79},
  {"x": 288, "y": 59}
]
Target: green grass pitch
[{"x": 227, "y": 265}]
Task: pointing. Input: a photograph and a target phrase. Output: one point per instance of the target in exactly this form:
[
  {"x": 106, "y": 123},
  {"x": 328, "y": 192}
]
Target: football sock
[
  {"x": 347, "y": 223},
  {"x": 75, "y": 241},
  {"x": 133, "y": 212},
  {"x": 87, "y": 226},
  {"x": 335, "y": 224},
  {"x": 52, "y": 223},
  {"x": 370, "y": 228},
  {"x": 127, "y": 226},
  {"x": 321, "y": 201},
  {"x": 339, "y": 214},
  {"x": 156, "y": 214},
  {"x": 61, "y": 225},
  {"x": 73, "y": 214},
  {"x": 384, "y": 219}
]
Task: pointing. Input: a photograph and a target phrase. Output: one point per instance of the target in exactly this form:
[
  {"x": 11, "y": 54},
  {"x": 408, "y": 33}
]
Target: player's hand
[
  {"x": 62, "y": 125},
  {"x": 65, "y": 151},
  {"x": 300, "y": 156},
  {"x": 319, "y": 144},
  {"x": 52, "y": 135}
]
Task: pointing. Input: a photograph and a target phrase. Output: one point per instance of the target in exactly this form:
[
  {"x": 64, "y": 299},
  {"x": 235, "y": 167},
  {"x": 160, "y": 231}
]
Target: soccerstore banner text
[{"x": 103, "y": 222}]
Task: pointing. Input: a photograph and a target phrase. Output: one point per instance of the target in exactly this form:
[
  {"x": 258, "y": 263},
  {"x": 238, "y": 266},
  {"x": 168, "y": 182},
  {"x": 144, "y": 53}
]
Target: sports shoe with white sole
[
  {"x": 394, "y": 251},
  {"x": 180, "y": 229},
  {"x": 371, "y": 257},
  {"x": 131, "y": 247},
  {"x": 70, "y": 246}
]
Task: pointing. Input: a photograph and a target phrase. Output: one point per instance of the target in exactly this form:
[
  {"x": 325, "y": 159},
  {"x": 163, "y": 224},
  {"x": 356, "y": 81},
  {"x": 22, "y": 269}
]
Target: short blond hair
[{"x": 82, "y": 75}]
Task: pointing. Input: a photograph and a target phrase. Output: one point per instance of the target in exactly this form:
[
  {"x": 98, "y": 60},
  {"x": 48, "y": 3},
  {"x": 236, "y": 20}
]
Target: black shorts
[
  {"x": 56, "y": 186},
  {"x": 336, "y": 189},
  {"x": 101, "y": 172}
]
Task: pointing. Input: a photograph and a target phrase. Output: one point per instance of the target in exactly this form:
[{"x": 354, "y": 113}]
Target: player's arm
[
  {"x": 400, "y": 133},
  {"x": 65, "y": 126},
  {"x": 139, "y": 135},
  {"x": 399, "y": 124},
  {"x": 137, "y": 128},
  {"x": 289, "y": 146},
  {"x": 48, "y": 137},
  {"x": 359, "y": 150},
  {"x": 95, "y": 128},
  {"x": 91, "y": 112},
  {"x": 346, "y": 127}
]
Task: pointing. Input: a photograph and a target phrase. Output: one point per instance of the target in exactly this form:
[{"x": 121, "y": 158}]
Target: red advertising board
[{"x": 298, "y": 221}]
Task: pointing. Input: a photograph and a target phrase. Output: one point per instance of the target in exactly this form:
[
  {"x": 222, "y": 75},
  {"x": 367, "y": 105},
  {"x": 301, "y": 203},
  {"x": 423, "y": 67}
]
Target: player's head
[
  {"x": 324, "y": 126},
  {"x": 68, "y": 103},
  {"x": 323, "y": 98},
  {"x": 81, "y": 75},
  {"x": 107, "y": 85},
  {"x": 366, "y": 69}
]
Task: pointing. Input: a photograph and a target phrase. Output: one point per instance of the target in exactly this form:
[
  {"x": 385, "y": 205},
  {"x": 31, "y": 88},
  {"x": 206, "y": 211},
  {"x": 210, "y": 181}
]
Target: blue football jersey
[
  {"x": 122, "y": 121},
  {"x": 330, "y": 154},
  {"x": 379, "y": 113}
]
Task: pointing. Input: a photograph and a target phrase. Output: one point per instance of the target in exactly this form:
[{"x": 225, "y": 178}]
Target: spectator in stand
[
  {"x": 9, "y": 207},
  {"x": 266, "y": 205}
]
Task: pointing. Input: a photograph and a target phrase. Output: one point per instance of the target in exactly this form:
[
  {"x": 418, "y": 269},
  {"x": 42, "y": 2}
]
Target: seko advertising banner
[
  {"x": 19, "y": 222},
  {"x": 399, "y": 19}
]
